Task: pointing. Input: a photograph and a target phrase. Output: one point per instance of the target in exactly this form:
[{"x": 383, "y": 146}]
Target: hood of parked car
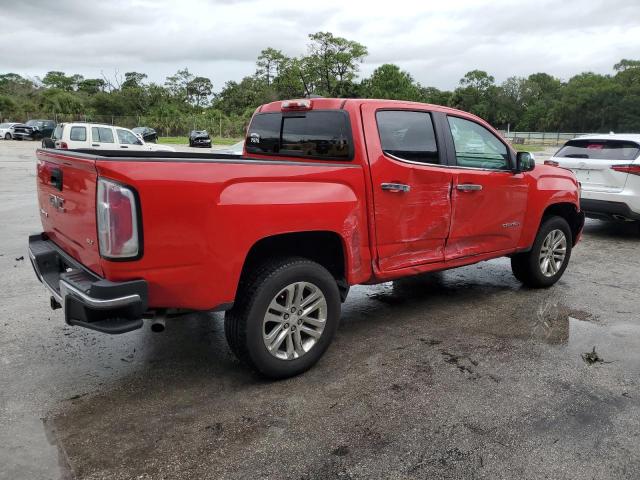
[
  {"x": 154, "y": 147},
  {"x": 22, "y": 128},
  {"x": 198, "y": 135}
]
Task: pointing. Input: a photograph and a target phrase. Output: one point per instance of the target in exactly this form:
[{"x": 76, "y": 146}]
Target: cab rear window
[
  {"x": 600, "y": 150},
  {"x": 316, "y": 134}
]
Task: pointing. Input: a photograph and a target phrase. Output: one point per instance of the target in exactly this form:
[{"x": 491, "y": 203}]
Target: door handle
[
  {"x": 123, "y": 146},
  {"x": 395, "y": 187},
  {"x": 95, "y": 144},
  {"x": 469, "y": 187}
]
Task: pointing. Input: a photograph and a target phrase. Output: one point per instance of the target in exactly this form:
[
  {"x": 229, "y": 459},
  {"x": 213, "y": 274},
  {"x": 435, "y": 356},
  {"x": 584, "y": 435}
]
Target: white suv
[
  {"x": 608, "y": 168},
  {"x": 100, "y": 137}
]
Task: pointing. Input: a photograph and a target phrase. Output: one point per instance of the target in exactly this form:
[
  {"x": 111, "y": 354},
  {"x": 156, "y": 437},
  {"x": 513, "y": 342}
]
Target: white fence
[{"x": 539, "y": 138}]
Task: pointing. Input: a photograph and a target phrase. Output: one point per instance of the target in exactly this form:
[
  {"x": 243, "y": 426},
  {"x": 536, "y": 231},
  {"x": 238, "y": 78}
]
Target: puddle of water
[{"x": 613, "y": 343}]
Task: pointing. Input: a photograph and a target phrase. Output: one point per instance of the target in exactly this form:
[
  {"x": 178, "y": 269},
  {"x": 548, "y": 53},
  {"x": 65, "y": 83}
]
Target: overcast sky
[{"x": 437, "y": 42}]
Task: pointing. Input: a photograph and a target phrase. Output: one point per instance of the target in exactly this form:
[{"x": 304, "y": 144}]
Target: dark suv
[{"x": 34, "y": 130}]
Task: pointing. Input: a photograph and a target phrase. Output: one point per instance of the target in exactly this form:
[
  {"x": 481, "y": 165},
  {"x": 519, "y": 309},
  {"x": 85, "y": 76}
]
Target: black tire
[
  {"x": 526, "y": 266},
  {"x": 243, "y": 324},
  {"x": 7, "y": 136}
]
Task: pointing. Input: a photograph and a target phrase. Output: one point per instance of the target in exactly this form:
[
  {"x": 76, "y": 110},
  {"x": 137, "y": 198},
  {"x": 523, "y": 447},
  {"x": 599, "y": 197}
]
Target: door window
[
  {"x": 102, "y": 134},
  {"x": 127, "y": 138},
  {"x": 78, "y": 134},
  {"x": 408, "y": 135},
  {"x": 477, "y": 147}
]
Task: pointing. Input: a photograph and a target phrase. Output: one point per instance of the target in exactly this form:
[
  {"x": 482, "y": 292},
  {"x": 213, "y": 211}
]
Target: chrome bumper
[{"x": 88, "y": 300}]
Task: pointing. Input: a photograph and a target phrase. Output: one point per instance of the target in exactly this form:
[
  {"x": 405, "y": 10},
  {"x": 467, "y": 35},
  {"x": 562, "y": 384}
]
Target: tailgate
[{"x": 67, "y": 202}]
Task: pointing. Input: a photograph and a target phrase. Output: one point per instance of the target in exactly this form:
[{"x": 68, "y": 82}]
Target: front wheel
[
  {"x": 284, "y": 318},
  {"x": 7, "y": 136},
  {"x": 547, "y": 260}
]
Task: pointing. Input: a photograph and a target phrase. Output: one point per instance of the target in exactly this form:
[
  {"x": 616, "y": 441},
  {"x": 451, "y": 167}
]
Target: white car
[
  {"x": 101, "y": 137},
  {"x": 608, "y": 168},
  {"x": 6, "y": 130},
  {"x": 235, "y": 149}
]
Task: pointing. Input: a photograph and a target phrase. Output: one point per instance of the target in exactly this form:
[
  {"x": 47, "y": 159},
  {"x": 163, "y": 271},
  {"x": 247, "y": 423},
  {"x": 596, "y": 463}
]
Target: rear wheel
[
  {"x": 284, "y": 317},
  {"x": 547, "y": 260}
]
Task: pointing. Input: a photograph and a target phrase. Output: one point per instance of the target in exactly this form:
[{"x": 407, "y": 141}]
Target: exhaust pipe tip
[{"x": 158, "y": 324}]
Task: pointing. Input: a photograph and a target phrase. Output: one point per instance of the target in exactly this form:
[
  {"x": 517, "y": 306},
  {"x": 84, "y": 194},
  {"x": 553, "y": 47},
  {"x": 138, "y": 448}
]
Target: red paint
[{"x": 199, "y": 220}]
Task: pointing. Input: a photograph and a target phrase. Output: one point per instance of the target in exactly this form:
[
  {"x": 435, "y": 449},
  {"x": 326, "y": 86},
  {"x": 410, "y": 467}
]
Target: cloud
[{"x": 437, "y": 42}]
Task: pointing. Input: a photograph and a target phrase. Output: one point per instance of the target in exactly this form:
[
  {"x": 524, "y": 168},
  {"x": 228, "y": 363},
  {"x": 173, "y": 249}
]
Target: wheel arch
[
  {"x": 570, "y": 213},
  {"x": 324, "y": 247}
]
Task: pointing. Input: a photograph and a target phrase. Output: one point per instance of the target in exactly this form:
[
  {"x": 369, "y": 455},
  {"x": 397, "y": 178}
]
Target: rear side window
[
  {"x": 599, "y": 150},
  {"x": 78, "y": 134},
  {"x": 102, "y": 134},
  {"x": 57, "y": 133},
  {"x": 408, "y": 135},
  {"x": 315, "y": 134}
]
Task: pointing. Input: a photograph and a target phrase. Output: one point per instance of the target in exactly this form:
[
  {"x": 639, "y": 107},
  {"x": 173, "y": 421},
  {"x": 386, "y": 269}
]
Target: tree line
[{"x": 587, "y": 102}]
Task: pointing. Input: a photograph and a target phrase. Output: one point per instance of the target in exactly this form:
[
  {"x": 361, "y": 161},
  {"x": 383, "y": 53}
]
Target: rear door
[
  {"x": 103, "y": 138},
  {"x": 67, "y": 198},
  {"x": 411, "y": 184},
  {"x": 592, "y": 161},
  {"x": 488, "y": 200}
]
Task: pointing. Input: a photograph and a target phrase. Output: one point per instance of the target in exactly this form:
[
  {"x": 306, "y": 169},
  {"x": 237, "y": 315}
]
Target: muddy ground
[{"x": 463, "y": 374}]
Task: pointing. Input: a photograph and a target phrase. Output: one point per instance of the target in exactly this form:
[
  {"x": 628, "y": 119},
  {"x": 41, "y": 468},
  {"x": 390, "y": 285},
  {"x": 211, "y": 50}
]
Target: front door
[
  {"x": 411, "y": 187},
  {"x": 489, "y": 200}
]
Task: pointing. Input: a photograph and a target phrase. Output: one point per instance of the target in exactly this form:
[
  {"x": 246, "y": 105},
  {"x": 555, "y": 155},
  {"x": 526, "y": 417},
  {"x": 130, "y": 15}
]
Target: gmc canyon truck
[{"x": 329, "y": 193}]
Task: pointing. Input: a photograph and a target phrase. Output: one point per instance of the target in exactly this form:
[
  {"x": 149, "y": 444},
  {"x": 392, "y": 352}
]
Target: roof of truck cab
[{"x": 322, "y": 103}]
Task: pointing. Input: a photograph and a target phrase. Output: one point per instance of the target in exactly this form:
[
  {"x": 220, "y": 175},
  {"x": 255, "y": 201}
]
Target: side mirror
[{"x": 525, "y": 162}]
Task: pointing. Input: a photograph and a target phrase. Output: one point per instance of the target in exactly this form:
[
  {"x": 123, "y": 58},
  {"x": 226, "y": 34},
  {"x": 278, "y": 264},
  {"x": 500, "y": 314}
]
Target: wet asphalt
[{"x": 462, "y": 374}]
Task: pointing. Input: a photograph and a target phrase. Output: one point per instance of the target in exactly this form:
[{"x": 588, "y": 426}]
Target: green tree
[
  {"x": 133, "y": 80},
  {"x": 270, "y": 64},
  {"x": 477, "y": 94},
  {"x": 91, "y": 86},
  {"x": 61, "y": 81},
  {"x": 333, "y": 61},
  {"x": 199, "y": 91},
  {"x": 388, "y": 81}
]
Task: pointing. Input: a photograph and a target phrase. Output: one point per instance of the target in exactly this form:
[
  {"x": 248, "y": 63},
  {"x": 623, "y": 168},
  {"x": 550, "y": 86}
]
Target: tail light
[
  {"x": 553, "y": 163},
  {"x": 296, "y": 105},
  {"x": 116, "y": 210},
  {"x": 632, "y": 169},
  {"x": 63, "y": 145}
]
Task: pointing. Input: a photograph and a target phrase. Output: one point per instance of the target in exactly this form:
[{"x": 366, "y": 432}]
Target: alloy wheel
[
  {"x": 553, "y": 253},
  {"x": 294, "y": 321}
]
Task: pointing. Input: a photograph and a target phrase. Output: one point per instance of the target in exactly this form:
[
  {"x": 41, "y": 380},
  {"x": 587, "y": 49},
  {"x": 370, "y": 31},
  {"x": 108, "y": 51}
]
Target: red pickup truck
[{"x": 328, "y": 193}]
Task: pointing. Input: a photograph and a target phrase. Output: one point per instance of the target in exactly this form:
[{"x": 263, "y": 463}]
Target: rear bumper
[
  {"x": 87, "y": 299},
  {"x": 607, "y": 209}
]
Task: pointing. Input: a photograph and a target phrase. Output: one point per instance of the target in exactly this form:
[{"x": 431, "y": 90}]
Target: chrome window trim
[{"x": 456, "y": 167}]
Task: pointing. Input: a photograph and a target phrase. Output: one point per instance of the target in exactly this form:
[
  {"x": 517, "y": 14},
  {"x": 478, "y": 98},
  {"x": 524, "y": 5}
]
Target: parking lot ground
[{"x": 463, "y": 374}]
